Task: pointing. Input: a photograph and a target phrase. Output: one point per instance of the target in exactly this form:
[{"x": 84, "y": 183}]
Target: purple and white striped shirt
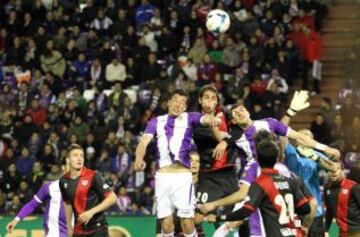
[
  {"x": 246, "y": 143},
  {"x": 54, "y": 216},
  {"x": 173, "y": 137}
]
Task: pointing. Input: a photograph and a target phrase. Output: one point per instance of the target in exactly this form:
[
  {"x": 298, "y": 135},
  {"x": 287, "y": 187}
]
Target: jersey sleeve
[
  {"x": 291, "y": 158},
  {"x": 62, "y": 186},
  {"x": 43, "y": 194},
  {"x": 223, "y": 125},
  {"x": 255, "y": 197},
  {"x": 301, "y": 202},
  {"x": 101, "y": 187},
  {"x": 329, "y": 215},
  {"x": 151, "y": 127},
  {"x": 195, "y": 118},
  {"x": 278, "y": 127},
  {"x": 249, "y": 174}
]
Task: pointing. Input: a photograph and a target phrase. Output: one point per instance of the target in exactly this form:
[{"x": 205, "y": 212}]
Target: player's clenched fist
[{"x": 139, "y": 165}]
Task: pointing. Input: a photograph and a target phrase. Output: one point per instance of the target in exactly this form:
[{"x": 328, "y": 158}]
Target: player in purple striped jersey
[
  {"x": 173, "y": 180},
  {"x": 54, "y": 216},
  {"x": 246, "y": 144}
]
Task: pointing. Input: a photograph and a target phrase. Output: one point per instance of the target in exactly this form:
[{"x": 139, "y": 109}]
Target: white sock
[
  {"x": 222, "y": 231},
  {"x": 167, "y": 235},
  {"x": 194, "y": 234}
]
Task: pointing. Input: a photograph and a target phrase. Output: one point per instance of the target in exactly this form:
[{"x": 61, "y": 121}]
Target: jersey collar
[{"x": 82, "y": 173}]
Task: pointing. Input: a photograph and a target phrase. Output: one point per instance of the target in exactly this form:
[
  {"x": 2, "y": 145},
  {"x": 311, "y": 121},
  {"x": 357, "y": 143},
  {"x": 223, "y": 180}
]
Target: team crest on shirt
[
  {"x": 84, "y": 182},
  {"x": 65, "y": 185},
  {"x": 105, "y": 186},
  {"x": 345, "y": 191}
]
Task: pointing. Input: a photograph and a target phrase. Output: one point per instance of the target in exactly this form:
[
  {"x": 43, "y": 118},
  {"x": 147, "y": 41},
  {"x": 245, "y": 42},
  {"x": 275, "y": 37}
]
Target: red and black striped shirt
[
  {"x": 343, "y": 202},
  {"x": 83, "y": 193},
  {"x": 279, "y": 198}
]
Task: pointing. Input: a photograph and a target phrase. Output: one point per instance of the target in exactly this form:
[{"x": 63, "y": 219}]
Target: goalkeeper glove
[{"x": 299, "y": 102}]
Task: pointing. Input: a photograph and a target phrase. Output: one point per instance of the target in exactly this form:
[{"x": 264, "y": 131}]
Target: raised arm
[
  {"x": 298, "y": 103},
  {"x": 307, "y": 141}
]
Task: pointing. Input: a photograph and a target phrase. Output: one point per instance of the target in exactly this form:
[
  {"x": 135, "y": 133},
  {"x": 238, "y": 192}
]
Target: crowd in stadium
[{"x": 54, "y": 51}]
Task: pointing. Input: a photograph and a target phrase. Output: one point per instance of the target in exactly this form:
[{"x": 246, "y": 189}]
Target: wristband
[
  {"x": 291, "y": 112},
  {"x": 320, "y": 147}
]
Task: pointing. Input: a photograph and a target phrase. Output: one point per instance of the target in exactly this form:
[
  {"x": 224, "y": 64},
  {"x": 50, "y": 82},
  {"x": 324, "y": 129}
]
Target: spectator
[
  {"x": 24, "y": 163},
  {"x": 327, "y": 110},
  {"x": 90, "y": 157},
  {"x": 55, "y": 173},
  {"x": 24, "y": 192},
  {"x": 198, "y": 51},
  {"x": 232, "y": 54},
  {"x": 11, "y": 180},
  {"x": 115, "y": 72},
  {"x": 103, "y": 164},
  {"x": 47, "y": 158},
  {"x": 102, "y": 23},
  {"x": 348, "y": 111},
  {"x": 144, "y": 13},
  {"x": 52, "y": 60},
  {"x": 14, "y": 206},
  {"x": 151, "y": 69},
  {"x": 238, "y": 87},
  {"x": 37, "y": 176},
  {"x": 338, "y": 132},
  {"x": 37, "y": 112},
  {"x": 206, "y": 71},
  {"x": 321, "y": 129},
  {"x": 282, "y": 89},
  {"x": 123, "y": 201}
]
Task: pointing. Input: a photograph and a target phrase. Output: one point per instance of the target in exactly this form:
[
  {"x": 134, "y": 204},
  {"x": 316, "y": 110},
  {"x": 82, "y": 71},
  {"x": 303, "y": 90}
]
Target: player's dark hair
[
  {"x": 72, "y": 147},
  {"x": 262, "y": 134},
  {"x": 211, "y": 88},
  {"x": 267, "y": 153},
  {"x": 178, "y": 92}
]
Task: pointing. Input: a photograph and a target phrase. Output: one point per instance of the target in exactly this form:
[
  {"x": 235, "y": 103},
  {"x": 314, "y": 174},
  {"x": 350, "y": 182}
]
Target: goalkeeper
[{"x": 306, "y": 162}]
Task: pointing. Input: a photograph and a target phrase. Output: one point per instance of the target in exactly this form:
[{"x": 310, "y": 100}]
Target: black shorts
[
  {"x": 102, "y": 232},
  {"x": 215, "y": 185},
  {"x": 317, "y": 228}
]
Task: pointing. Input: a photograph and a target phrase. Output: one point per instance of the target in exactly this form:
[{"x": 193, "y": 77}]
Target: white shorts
[{"x": 174, "y": 191}]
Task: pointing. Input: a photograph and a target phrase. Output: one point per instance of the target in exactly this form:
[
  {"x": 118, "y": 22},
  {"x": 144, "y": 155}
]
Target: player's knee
[
  {"x": 188, "y": 225},
  {"x": 167, "y": 226}
]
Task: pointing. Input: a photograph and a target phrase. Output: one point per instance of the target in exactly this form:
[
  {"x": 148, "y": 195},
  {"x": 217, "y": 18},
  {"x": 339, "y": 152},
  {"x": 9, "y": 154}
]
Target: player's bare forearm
[
  {"x": 236, "y": 197},
  {"x": 141, "y": 151},
  {"x": 307, "y": 141},
  {"x": 68, "y": 214},
  {"x": 217, "y": 134},
  {"x": 327, "y": 165},
  {"x": 105, "y": 204},
  {"x": 308, "y": 220}
]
